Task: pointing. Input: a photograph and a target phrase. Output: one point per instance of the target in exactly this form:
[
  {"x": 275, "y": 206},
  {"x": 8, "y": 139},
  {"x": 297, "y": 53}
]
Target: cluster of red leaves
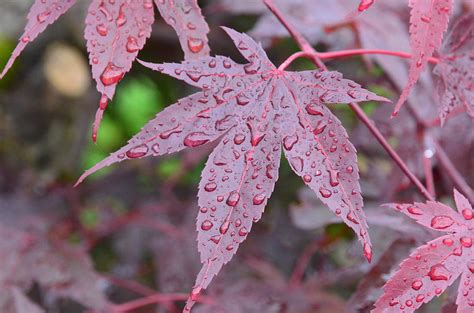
[
  {"x": 254, "y": 109},
  {"x": 115, "y": 32}
]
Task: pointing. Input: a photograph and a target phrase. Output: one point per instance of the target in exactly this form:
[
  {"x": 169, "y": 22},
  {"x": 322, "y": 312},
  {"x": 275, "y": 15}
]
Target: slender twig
[
  {"x": 353, "y": 52},
  {"x": 305, "y": 258},
  {"x": 154, "y": 299},
  {"x": 452, "y": 172},
  {"x": 130, "y": 285},
  {"x": 428, "y": 169},
  {"x": 308, "y": 49}
]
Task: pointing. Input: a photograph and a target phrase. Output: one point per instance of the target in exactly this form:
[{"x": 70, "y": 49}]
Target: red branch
[
  {"x": 154, "y": 299},
  {"x": 309, "y": 51}
]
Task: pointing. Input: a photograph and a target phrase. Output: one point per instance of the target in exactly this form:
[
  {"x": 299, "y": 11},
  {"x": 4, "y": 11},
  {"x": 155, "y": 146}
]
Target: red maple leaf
[
  {"x": 428, "y": 21},
  {"x": 253, "y": 109},
  {"x": 433, "y": 267},
  {"x": 115, "y": 32},
  {"x": 456, "y": 69}
]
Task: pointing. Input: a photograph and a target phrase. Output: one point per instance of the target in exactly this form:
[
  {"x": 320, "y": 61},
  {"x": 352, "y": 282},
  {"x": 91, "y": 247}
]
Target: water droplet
[
  {"x": 210, "y": 187},
  {"x": 215, "y": 239},
  {"x": 290, "y": 141},
  {"x": 259, "y": 198},
  {"x": 224, "y": 227},
  {"x": 195, "y": 139},
  {"x": 470, "y": 266},
  {"x": 417, "y": 284},
  {"x": 233, "y": 198},
  {"x": 467, "y": 214},
  {"x": 364, "y": 5},
  {"x": 439, "y": 272},
  {"x": 307, "y": 178},
  {"x": 448, "y": 242},
  {"x": 420, "y": 298},
  {"x": 414, "y": 210},
  {"x": 425, "y": 18},
  {"x": 350, "y": 216},
  {"x": 297, "y": 164},
  {"x": 122, "y": 18},
  {"x": 243, "y": 231},
  {"x": 132, "y": 44},
  {"x": 313, "y": 109},
  {"x": 333, "y": 178},
  {"x": 466, "y": 242},
  {"x": 325, "y": 193},
  {"x": 42, "y": 17},
  {"x": 239, "y": 138},
  {"x": 137, "y": 152},
  {"x": 195, "y": 44},
  {"x": 242, "y": 99},
  {"x": 175, "y": 130},
  {"x": 441, "y": 222},
  {"x": 112, "y": 74},
  {"x": 206, "y": 225},
  {"x": 102, "y": 30}
]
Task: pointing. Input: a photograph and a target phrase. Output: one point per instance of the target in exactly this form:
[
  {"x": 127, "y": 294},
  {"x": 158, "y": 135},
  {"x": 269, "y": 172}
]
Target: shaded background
[{"x": 129, "y": 231}]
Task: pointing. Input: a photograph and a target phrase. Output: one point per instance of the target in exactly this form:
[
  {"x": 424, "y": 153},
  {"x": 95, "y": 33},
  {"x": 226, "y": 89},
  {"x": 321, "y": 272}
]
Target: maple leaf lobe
[{"x": 42, "y": 14}]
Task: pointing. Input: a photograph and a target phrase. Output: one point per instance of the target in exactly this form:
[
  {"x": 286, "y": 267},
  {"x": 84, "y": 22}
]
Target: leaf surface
[
  {"x": 456, "y": 69},
  {"x": 433, "y": 267},
  {"x": 42, "y": 14},
  {"x": 186, "y": 18},
  {"x": 254, "y": 109},
  {"x": 428, "y": 22},
  {"x": 115, "y": 32}
]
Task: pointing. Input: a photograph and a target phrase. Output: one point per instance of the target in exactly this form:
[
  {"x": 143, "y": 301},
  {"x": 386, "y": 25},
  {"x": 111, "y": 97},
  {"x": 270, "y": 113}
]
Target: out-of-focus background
[{"x": 128, "y": 231}]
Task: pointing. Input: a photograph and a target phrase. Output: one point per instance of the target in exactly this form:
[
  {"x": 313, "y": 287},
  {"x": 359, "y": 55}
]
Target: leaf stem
[
  {"x": 353, "y": 52},
  {"x": 307, "y": 49}
]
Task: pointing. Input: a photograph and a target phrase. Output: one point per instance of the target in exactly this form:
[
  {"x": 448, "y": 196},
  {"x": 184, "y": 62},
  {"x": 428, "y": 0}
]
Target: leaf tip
[{"x": 368, "y": 252}]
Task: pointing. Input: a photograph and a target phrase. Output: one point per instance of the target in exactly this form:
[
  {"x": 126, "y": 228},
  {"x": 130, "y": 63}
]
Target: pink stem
[
  {"x": 428, "y": 169},
  {"x": 352, "y": 52},
  {"x": 309, "y": 50}
]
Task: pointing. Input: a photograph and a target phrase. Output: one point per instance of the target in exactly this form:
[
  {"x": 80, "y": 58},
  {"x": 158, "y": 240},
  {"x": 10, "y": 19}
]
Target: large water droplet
[
  {"x": 195, "y": 139},
  {"x": 112, "y": 74},
  {"x": 467, "y": 214},
  {"x": 195, "y": 44},
  {"x": 441, "y": 222},
  {"x": 233, "y": 198},
  {"x": 325, "y": 193},
  {"x": 414, "y": 210},
  {"x": 132, "y": 44},
  {"x": 175, "y": 130},
  {"x": 290, "y": 141},
  {"x": 364, "y": 5},
  {"x": 297, "y": 164},
  {"x": 206, "y": 225},
  {"x": 210, "y": 187},
  {"x": 439, "y": 272},
  {"x": 224, "y": 227},
  {"x": 417, "y": 284},
  {"x": 137, "y": 152},
  {"x": 259, "y": 198},
  {"x": 313, "y": 109}
]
